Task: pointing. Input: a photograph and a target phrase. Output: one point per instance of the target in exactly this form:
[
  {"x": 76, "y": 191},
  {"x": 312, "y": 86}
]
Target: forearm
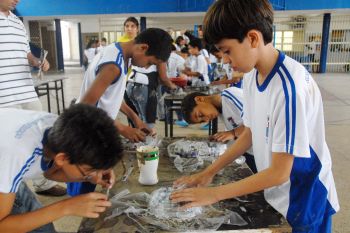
[
  {"x": 255, "y": 183},
  {"x": 120, "y": 127},
  {"x": 129, "y": 112},
  {"x": 242, "y": 144},
  {"x": 163, "y": 77},
  {"x": 29, "y": 221},
  {"x": 193, "y": 74},
  {"x": 166, "y": 82},
  {"x": 238, "y": 131}
]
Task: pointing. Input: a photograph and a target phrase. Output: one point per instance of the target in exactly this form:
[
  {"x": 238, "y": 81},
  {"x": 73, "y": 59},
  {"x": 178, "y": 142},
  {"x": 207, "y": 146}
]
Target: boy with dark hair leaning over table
[
  {"x": 198, "y": 108},
  {"x": 72, "y": 147},
  {"x": 283, "y": 119}
]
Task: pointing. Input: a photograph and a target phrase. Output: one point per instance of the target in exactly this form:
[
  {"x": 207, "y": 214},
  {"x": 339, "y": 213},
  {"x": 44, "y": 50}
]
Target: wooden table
[{"x": 259, "y": 214}]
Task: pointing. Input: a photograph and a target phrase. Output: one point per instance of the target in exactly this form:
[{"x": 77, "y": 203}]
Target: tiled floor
[{"x": 336, "y": 96}]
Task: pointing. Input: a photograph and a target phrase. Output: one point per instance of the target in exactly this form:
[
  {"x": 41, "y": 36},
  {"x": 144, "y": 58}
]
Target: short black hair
[
  {"x": 87, "y": 135},
  {"x": 179, "y": 39},
  {"x": 185, "y": 50},
  {"x": 133, "y": 20},
  {"x": 232, "y": 19},
  {"x": 104, "y": 39},
  {"x": 196, "y": 43},
  {"x": 188, "y": 104},
  {"x": 159, "y": 42}
]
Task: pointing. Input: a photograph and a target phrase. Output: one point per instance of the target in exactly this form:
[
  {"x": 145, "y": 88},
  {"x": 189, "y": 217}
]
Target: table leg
[
  {"x": 166, "y": 120},
  {"x": 171, "y": 122},
  {"x": 57, "y": 100},
  {"x": 48, "y": 97},
  {"x": 62, "y": 92}
]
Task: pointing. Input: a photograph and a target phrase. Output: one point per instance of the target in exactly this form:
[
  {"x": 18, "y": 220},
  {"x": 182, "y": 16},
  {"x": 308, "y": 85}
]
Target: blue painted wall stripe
[{"x": 96, "y": 7}]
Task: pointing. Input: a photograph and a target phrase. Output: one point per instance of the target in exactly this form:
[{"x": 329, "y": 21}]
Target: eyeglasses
[{"x": 86, "y": 177}]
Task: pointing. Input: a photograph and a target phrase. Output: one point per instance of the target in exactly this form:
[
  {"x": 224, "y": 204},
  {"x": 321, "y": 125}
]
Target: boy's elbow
[{"x": 280, "y": 177}]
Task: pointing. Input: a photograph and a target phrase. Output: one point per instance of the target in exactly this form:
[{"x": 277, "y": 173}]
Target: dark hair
[
  {"x": 159, "y": 42},
  {"x": 232, "y": 19},
  {"x": 196, "y": 43},
  {"x": 87, "y": 135},
  {"x": 173, "y": 48},
  {"x": 104, "y": 39},
  {"x": 188, "y": 104},
  {"x": 133, "y": 20},
  {"x": 213, "y": 49},
  {"x": 91, "y": 42},
  {"x": 185, "y": 50},
  {"x": 178, "y": 40},
  {"x": 189, "y": 35}
]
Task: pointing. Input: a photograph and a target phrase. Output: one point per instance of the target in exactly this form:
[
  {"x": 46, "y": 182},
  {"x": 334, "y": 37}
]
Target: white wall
[{"x": 70, "y": 40}]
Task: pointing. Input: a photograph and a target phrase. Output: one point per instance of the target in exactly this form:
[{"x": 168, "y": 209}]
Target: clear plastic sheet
[
  {"x": 152, "y": 210},
  {"x": 161, "y": 206},
  {"x": 190, "y": 149},
  {"x": 190, "y": 155},
  {"x": 188, "y": 164}
]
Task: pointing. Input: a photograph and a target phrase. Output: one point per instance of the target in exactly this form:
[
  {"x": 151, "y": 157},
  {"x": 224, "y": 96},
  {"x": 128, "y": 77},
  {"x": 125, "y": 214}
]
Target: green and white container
[{"x": 148, "y": 159}]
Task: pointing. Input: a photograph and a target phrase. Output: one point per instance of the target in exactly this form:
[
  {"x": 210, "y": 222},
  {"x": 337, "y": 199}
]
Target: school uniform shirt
[
  {"x": 205, "y": 53},
  {"x": 90, "y": 54},
  {"x": 285, "y": 115},
  {"x": 112, "y": 98},
  {"x": 16, "y": 84},
  {"x": 232, "y": 107},
  {"x": 178, "y": 48},
  {"x": 21, "y": 148},
  {"x": 175, "y": 64},
  {"x": 232, "y": 110},
  {"x": 200, "y": 65},
  {"x": 190, "y": 62}
]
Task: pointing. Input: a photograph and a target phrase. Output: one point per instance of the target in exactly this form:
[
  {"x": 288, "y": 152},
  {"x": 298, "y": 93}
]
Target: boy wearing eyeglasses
[{"x": 71, "y": 147}]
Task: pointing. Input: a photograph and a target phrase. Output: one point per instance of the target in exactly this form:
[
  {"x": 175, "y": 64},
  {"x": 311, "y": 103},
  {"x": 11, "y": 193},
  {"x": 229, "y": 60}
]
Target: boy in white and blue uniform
[
  {"x": 60, "y": 148},
  {"x": 197, "y": 66},
  {"x": 105, "y": 81},
  {"x": 111, "y": 100},
  {"x": 198, "y": 108},
  {"x": 283, "y": 118}
]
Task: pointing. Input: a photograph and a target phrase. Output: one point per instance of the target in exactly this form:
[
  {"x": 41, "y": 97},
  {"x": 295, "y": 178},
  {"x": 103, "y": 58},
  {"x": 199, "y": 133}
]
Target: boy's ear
[
  {"x": 60, "y": 159},
  {"x": 199, "y": 99},
  {"x": 143, "y": 47},
  {"x": 254, "y": 38}
]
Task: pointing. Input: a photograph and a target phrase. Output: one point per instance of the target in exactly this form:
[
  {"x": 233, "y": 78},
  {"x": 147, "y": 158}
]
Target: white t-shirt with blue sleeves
[
  {"x": 21, "y": 148},
  {"x": 112, "y": 98},
  {"x": 285, "y": 115}
]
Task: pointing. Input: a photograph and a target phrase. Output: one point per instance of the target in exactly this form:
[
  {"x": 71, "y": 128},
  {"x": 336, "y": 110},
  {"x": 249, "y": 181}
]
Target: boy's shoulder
[
  {"x": 237, "y": 92},
  {"x": 296, "y": 74}
]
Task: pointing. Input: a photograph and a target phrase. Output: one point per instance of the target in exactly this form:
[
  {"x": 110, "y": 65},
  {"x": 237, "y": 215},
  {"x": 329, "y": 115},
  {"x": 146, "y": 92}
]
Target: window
[{"x": 284, "y": 40}]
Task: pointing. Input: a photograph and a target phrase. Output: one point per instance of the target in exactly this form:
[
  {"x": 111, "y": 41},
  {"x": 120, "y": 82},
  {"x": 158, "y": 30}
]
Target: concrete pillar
[
  {"x": 143, "y": 23},
  {"x": 81, "y": 49},
  {"x": 324, "y": 43},
  {"x": 59, "y": 47}
]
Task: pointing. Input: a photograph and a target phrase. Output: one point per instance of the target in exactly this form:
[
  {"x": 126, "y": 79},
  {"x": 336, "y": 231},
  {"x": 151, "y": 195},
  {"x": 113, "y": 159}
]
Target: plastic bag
[
  {"x": 190, "y": 149},
  {"x": 188, "y": 164},
  {"x": 152, "y": 210},
  {"x": 190, "y": 155},
  {"x": 161, "y": 206}
]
